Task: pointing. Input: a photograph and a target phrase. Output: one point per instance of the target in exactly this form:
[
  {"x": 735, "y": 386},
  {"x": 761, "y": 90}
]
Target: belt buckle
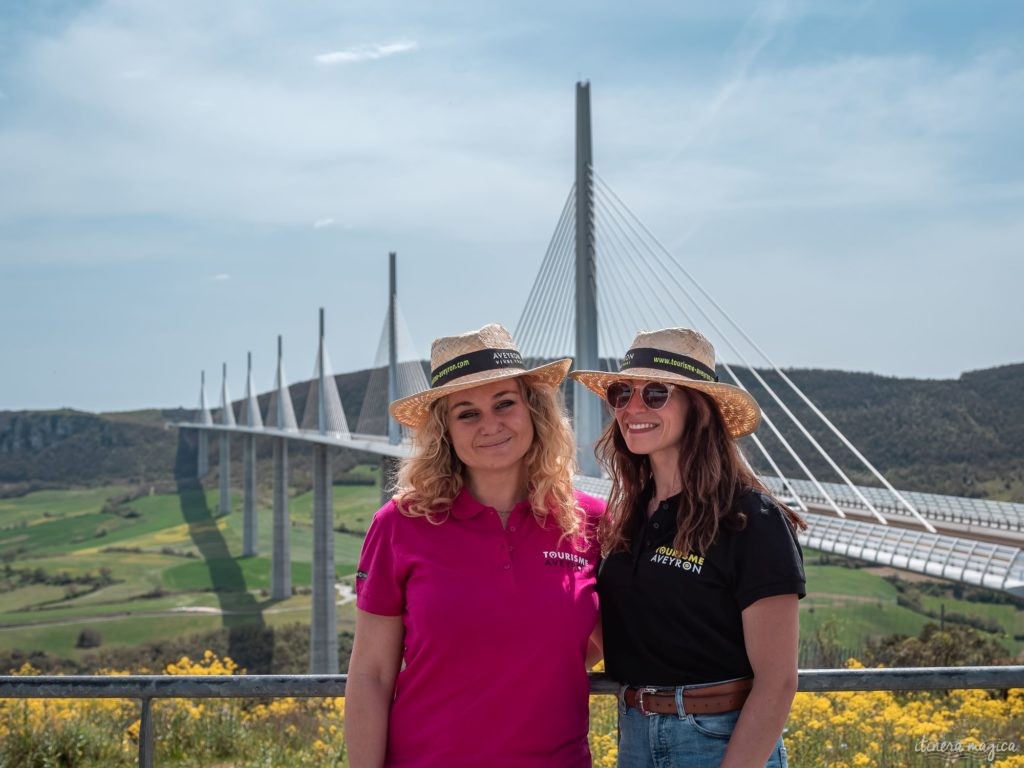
[{"x": 640, "y": 700}]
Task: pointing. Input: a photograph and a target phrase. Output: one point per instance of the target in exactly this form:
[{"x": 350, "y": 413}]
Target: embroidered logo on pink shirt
[{"x": 565, "y": 560}]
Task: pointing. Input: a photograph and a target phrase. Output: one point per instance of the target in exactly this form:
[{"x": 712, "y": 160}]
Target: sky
[{"x": 180, "y": 182}]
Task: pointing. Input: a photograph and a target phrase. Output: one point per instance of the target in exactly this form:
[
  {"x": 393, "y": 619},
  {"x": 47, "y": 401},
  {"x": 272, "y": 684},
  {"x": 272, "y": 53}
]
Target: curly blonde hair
[{"x": 430, "y": 479}]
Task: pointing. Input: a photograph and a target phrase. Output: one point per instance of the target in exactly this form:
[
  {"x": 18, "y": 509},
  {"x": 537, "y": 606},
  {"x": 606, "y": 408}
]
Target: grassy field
[
  {"x": 860, "y": 604},
  {"x": 174, "y": 563},
  {"x": 175, "y": 568}
]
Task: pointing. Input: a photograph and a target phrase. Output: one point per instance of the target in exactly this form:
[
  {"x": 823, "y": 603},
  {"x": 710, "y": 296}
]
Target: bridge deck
[{"x": 977, "y": 543}]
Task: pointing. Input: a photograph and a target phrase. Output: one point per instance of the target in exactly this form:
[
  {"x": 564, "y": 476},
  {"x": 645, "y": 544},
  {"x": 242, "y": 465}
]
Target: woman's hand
[{"x": 595, "y": 645}]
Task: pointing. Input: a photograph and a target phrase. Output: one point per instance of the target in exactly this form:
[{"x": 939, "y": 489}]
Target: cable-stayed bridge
[{"x": 604, "y": 276}]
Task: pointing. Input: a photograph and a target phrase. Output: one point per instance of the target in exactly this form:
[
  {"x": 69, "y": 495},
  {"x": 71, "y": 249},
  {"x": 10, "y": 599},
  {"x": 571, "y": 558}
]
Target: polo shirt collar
[
  {"x": 664, "y": 514},
  {"x": 466, "y": 506}
]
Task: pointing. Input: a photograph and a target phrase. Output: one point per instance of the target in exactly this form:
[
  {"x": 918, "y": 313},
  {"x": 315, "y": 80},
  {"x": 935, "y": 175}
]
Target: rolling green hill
[{"x": 960, "y": 436}]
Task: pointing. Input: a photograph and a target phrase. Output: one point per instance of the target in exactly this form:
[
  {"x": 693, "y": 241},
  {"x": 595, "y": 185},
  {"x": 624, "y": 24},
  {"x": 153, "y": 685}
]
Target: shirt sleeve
[
  {"x": 380, "y": 580},
  {"x": 769, "y": 559}
]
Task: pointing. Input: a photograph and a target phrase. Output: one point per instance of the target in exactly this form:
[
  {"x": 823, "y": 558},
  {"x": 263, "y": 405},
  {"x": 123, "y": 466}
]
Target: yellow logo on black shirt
[{"x": 674, "y": 558}]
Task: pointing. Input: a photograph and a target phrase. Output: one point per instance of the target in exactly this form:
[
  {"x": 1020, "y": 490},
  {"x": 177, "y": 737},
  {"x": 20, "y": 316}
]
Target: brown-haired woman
[{"x": 702, "y": 570}]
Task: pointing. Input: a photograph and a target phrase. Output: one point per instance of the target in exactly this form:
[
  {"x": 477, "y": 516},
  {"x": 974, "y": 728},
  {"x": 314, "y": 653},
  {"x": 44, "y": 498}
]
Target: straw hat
[
  {"x": 467, "y": 361},
  {"x": 685, "y": 358}
]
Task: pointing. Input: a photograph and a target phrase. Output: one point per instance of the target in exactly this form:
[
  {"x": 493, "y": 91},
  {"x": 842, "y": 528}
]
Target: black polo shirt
[{"x": 672, "y": 618}]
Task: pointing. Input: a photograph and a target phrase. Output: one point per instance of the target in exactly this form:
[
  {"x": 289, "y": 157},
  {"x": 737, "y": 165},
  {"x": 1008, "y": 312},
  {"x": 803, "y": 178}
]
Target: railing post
[{"x": 146, "y": 734}]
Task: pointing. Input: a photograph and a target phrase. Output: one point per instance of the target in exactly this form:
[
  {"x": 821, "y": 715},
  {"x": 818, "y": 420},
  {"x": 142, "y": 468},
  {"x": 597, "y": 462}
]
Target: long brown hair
[{"x": 713, "y": 472}]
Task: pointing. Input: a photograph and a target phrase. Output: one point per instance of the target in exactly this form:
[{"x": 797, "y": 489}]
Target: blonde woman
[
  {"x": 475, "y": 589},
  {"x": 702, "y": 569}
]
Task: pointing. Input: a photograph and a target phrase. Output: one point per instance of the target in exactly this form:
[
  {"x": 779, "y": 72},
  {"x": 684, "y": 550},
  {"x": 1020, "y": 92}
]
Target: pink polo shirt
[{"x": 496, "y": 626}]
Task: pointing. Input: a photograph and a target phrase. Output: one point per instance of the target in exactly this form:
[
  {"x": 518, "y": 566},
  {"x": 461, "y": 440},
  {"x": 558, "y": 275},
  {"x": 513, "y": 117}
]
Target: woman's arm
[
  {"x": 771, "y": 629},
  {"x": 372, "y": 669},
  {"x": 595, "y": 645}
]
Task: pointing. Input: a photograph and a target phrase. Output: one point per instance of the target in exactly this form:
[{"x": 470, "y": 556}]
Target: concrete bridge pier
[
  {"x": 250, "y": 544},
  {"x": 202, "y": 454},
  {"x": 323, "y": 640},
  {"x": 225, "y": 474},
  {"x": 281, "y": 559}
]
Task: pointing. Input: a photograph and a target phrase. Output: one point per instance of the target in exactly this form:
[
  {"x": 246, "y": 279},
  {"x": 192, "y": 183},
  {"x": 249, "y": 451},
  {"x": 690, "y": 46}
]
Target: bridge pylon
[
  {"x": 586, "y": 408},
  {"x": 388, "y": 464},
  {"x": 202, "y": 436}
]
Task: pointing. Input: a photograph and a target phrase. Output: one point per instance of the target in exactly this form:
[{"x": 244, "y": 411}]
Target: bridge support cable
[
  {"x": 410, "y": 377},
  {"x": 323, "y": 411},
  {"x": 619, "y": 287},
  {"x": 654, "y": 289},
  {"x": 250, "y": 418},
  {"x": 778, "y": 472},
  {"x": 771, "y": 364},
  {"x": 796, "y": 457},
  {"x": 555, "y": 322},
  {"x": 555, "y": 271},
  {"x": 281, "y": 414},
  {"x": 397, "y": 370},
  {"x": 614, "y": 327},
  {"x": 227, "y": 418},
  {"x": 667, "y": 269},
  {"x": 627, "y": 286},
  {"x": 629, "y": 280},
  {"x": 203, "y": 437},
  {"x": 853, "y": 449},
  {"x": 373, "y": 412},
  {"x": 849, "y": 483}
]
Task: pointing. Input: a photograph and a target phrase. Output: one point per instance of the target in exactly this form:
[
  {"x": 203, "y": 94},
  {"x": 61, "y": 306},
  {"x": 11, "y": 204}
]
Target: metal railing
[{"x": 146, "y": 688}]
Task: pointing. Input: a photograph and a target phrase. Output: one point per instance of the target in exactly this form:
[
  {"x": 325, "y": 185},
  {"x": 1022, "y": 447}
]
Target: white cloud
[
  {"x": 219, "y": 278},
  {"x": 322, "y": 223},
  {"x": 366, "y": 52}
]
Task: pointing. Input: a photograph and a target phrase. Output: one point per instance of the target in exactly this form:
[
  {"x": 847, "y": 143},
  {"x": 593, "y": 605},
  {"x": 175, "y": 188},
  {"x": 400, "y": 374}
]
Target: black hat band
[
  {"x": 475, "y": 362},
  {"x": 646, "y": 357}
]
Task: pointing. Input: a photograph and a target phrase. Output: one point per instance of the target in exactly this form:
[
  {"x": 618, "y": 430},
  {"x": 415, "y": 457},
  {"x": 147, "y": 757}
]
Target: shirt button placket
[{"x": 508, "y": 546}]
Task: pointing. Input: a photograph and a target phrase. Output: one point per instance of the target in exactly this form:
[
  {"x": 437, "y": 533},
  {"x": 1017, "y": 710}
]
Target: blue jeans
[{"x": 679, "y": 741}]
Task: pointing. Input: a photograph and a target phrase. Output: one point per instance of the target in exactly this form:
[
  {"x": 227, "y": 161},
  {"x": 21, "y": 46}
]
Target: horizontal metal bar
[{"x": 306, "y": 686}]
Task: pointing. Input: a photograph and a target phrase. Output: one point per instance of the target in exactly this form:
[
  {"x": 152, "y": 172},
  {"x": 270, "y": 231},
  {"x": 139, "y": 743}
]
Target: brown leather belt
[{"x": 702, "y": 700}]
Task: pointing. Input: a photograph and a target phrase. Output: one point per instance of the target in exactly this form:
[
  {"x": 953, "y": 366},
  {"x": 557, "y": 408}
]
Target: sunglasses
[{"x": 654, "y": 394}]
